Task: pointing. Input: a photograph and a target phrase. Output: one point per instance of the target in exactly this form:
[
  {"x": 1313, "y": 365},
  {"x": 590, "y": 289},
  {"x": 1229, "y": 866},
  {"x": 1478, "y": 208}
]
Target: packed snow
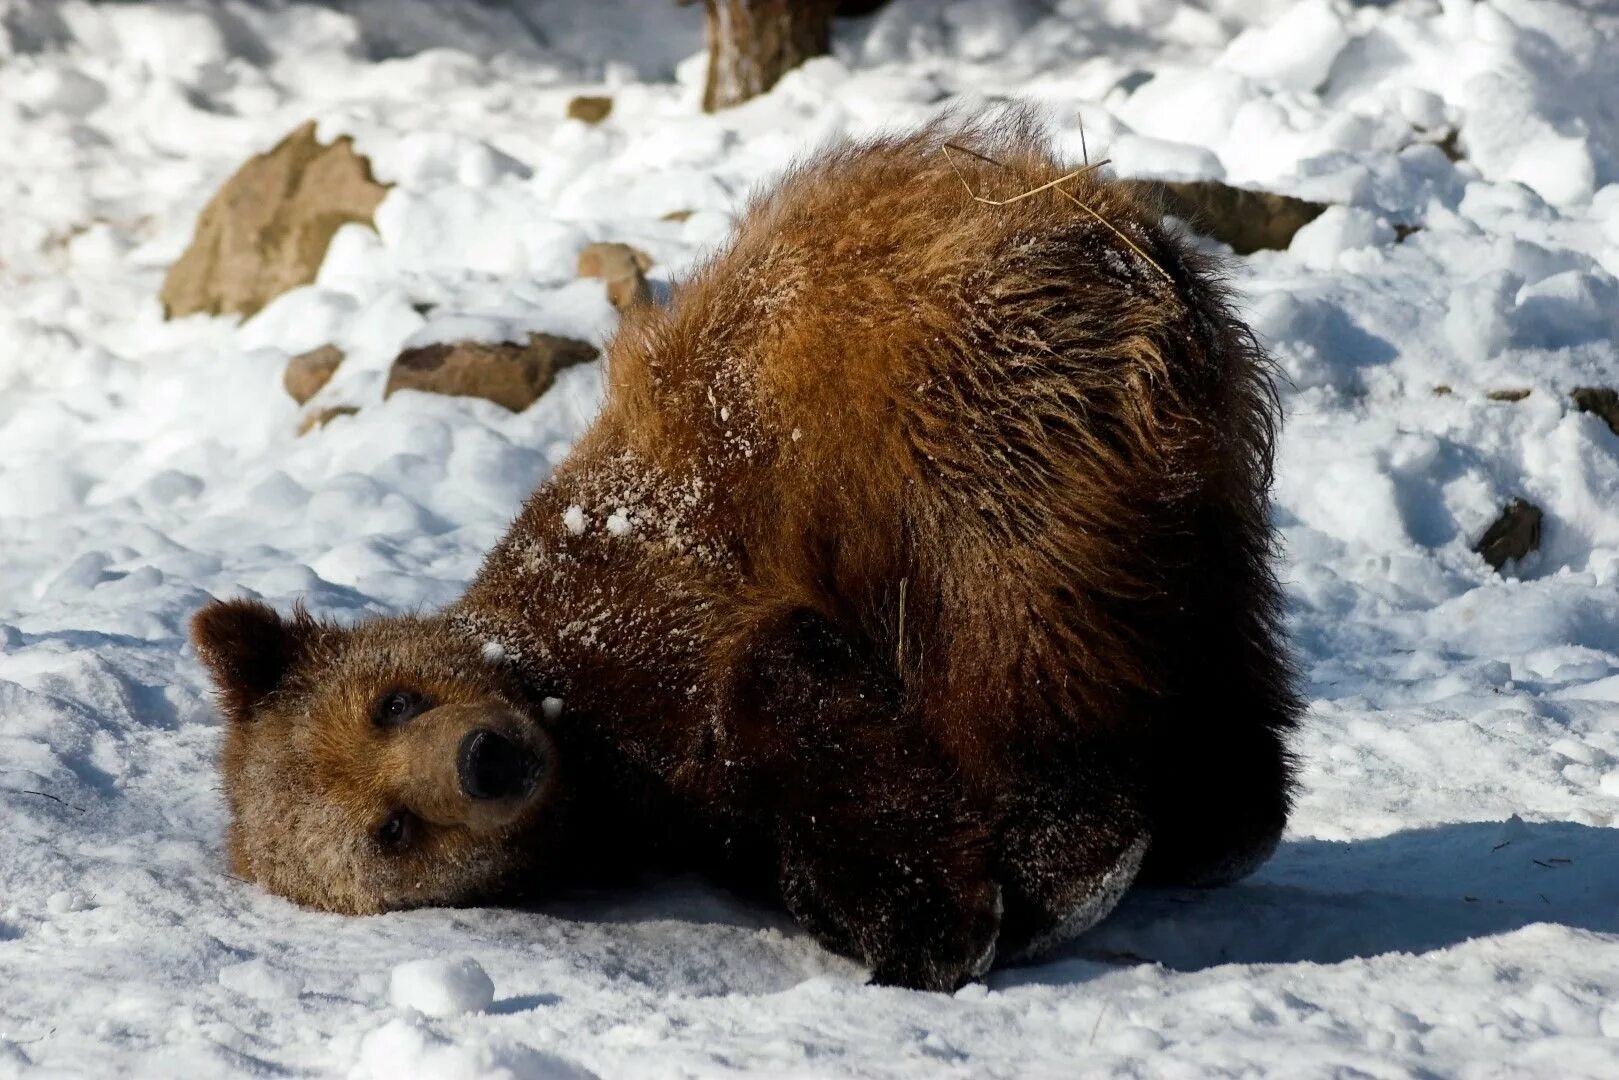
[
  {"x": 1446, "y": 901},
  {"x": 441, "y": 987}
]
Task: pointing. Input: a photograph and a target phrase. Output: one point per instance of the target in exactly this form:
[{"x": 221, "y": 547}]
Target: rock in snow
[
  {"x": 1512, "y": 536},
  {"x": 1601, "y": 400},
  {"x": 590, "y": 108},
  {"x": 1247, "y": 220},
  {"x": 319, "y": 418},
  {"x": 505, "y": 373},
  {"x": 622, "y": 267},
  {"x": 309, "y": 371},
  {"x": 268, "y": 228}
]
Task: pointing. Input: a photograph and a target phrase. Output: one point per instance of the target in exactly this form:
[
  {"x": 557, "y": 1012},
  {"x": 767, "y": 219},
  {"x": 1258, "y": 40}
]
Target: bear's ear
[{"x": 247, "y": 648}]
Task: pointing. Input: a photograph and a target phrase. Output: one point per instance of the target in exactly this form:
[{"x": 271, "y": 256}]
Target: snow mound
[
  {"x": 441, "y": 987},
  {"x": 402, "y": 1050}
]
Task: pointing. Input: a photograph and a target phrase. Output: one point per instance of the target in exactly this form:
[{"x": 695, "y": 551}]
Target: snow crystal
[
  {"x": 551, "y": 707},
  {"x": 494, "y": 652},
  {"x": 620, "y": 523},
  {"x": 573, "y": 519},
  {"x": 259, "y": 979},
  {"x": 441, "y": 987}
]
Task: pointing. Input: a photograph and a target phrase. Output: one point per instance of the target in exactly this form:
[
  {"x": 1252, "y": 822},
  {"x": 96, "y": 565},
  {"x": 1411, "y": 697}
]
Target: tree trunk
[{"x": 752, "y": 43}]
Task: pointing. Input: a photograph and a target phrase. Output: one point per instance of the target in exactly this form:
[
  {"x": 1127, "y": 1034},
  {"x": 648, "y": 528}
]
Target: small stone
[
  {"x": 610, "y": 260},
  {"x": 307, "y": 372},
  {"x": 1600, "y": 400},
  {"x": 625, "y": 292},
  {"x": 623, "y": 268},
  {"x": 1512, "y": 536},
  {"x": 1507, "y": 395},
  {"x": 506, "y": 373},
  {"x": 319, "y": 418},
  {"x": 590, "y": 108},
  {"x": 677, "y": 215},
  {"x": 1442, "y": 391}
]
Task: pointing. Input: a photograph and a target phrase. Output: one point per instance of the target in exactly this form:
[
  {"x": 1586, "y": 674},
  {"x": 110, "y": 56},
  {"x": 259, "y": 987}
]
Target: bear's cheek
[
  {"x": 323, "y": 861},
  {"x": 302, "y": 844}
]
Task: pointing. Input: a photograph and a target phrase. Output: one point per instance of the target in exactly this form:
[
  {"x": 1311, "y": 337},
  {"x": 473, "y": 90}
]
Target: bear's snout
[
  {"x": 491, "y": 766},
  {"x": 478, "y": 765}
]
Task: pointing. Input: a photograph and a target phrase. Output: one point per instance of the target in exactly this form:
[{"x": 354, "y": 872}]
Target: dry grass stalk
[
  {"x": 1053, "y": 184},
  {"x": 52, "y": 798},
  {"x": 900, "y": 658}
]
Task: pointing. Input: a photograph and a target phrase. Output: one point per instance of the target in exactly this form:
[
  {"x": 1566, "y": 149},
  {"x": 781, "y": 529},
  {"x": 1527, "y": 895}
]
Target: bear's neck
[{"x": 606, "y": 597}]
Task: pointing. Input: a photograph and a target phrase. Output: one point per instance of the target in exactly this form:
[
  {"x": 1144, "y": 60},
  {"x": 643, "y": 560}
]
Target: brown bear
[{"x": 917, "y": 570}]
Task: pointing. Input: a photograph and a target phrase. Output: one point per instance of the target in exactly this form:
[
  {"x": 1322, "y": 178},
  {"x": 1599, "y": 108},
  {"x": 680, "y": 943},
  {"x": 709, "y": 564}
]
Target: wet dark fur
[{"x": 947, "y": 582}]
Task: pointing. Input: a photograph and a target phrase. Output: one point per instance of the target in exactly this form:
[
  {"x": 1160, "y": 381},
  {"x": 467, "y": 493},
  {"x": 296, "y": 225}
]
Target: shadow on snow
[{"x": 1320, "y": 901}]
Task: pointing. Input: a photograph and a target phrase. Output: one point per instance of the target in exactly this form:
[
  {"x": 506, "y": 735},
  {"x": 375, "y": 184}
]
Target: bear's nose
[{"x": 491, "y": 766}]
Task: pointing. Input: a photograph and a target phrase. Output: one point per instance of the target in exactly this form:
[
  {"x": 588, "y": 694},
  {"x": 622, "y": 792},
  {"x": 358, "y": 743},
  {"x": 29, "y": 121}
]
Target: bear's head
[{"x": 373, "y": 767}]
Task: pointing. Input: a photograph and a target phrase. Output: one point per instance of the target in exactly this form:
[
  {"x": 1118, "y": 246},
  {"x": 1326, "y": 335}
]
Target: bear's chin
[{"x": 493, "y": 873}]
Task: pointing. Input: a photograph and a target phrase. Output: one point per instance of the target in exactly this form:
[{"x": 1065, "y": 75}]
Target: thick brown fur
[{"x": 918, "y": 561}]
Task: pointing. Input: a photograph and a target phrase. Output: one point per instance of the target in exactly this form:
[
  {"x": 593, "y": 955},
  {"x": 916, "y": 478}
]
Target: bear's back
[
  {"x": 874, "y": 323},
  {"x": 1034, "y": 412}
]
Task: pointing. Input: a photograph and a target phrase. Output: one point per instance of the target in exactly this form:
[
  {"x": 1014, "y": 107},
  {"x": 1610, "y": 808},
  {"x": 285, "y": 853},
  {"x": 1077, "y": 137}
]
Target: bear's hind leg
[{"x": 1218, "y": 807}]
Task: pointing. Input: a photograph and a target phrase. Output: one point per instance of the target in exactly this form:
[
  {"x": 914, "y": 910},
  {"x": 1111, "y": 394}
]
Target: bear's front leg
[
  {"x": 880, "y": 854},
  {"x": 1070, "y": 840}
]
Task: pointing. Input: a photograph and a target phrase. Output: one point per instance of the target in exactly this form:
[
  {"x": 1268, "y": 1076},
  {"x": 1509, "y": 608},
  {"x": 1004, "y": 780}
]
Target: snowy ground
[{"x": 1447, "y": 901}]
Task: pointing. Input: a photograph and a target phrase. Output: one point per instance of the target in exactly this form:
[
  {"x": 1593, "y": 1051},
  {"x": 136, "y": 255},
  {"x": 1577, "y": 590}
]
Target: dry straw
[{"x": 1051, "y": 185}]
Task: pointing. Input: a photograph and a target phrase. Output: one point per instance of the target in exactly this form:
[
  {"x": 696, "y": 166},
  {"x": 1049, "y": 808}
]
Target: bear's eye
[
  {"x": 396, "y": 707},
  {"x": 396, "y": 832}
]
